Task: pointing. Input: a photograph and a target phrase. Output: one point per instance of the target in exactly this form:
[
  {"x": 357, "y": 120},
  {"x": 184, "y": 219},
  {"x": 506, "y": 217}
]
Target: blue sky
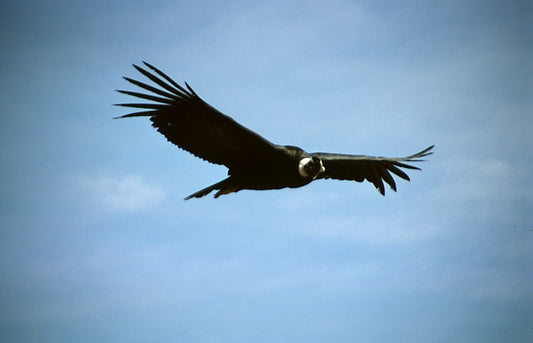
[{"x": 97, "y": 244}]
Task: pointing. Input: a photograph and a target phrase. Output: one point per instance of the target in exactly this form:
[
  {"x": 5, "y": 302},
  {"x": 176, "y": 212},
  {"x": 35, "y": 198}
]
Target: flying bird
[{"x": 253, "y": 162}]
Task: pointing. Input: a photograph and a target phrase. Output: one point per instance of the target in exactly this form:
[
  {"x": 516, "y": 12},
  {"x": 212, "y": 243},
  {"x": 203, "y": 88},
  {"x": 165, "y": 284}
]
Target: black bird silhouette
[{"x": 254, "y": 162}]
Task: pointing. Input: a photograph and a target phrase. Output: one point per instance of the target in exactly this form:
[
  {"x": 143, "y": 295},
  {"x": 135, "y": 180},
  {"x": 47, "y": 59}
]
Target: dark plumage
[{"x": 254, "y": 162}]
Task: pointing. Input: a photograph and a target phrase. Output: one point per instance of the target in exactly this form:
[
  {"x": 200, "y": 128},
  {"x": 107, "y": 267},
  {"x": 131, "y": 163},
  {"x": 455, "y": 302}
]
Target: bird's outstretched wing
[
  {"x": 373, "y": 169},
  {"x": 194, "y": 125}
]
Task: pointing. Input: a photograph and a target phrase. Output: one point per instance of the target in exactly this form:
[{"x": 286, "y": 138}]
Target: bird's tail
[{"x": 225, "y": 186}]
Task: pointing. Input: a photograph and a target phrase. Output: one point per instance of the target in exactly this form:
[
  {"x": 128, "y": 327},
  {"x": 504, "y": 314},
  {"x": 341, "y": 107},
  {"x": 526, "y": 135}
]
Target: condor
[{"x": 253, "y": 162}]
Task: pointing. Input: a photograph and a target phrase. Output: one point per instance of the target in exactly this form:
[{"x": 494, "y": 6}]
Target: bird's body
[
  {"x": 253, "y": 162},
  {"x": 260, "y": 175}
]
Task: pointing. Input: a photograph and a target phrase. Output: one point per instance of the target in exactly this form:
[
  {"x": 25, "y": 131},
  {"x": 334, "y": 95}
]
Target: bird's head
[{"x": 310, "y": 167}]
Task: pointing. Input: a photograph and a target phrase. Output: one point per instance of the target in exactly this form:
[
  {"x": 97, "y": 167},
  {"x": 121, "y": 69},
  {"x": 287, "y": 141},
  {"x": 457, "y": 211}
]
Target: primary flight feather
[{"x": 253, "y": 162}]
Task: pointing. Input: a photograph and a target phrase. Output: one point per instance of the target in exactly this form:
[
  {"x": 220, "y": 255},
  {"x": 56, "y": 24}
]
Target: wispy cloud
[
  {"x": 125, "y": 193},
  {"x": 482, "y": 178}
]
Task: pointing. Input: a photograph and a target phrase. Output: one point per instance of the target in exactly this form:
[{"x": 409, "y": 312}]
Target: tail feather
[{"x": 223, "y": 186}]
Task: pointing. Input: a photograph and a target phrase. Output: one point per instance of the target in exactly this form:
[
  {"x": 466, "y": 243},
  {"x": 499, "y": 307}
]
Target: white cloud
[
  {"x": 127, "y": 193},
  {"x": 476, "y": 179}
]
